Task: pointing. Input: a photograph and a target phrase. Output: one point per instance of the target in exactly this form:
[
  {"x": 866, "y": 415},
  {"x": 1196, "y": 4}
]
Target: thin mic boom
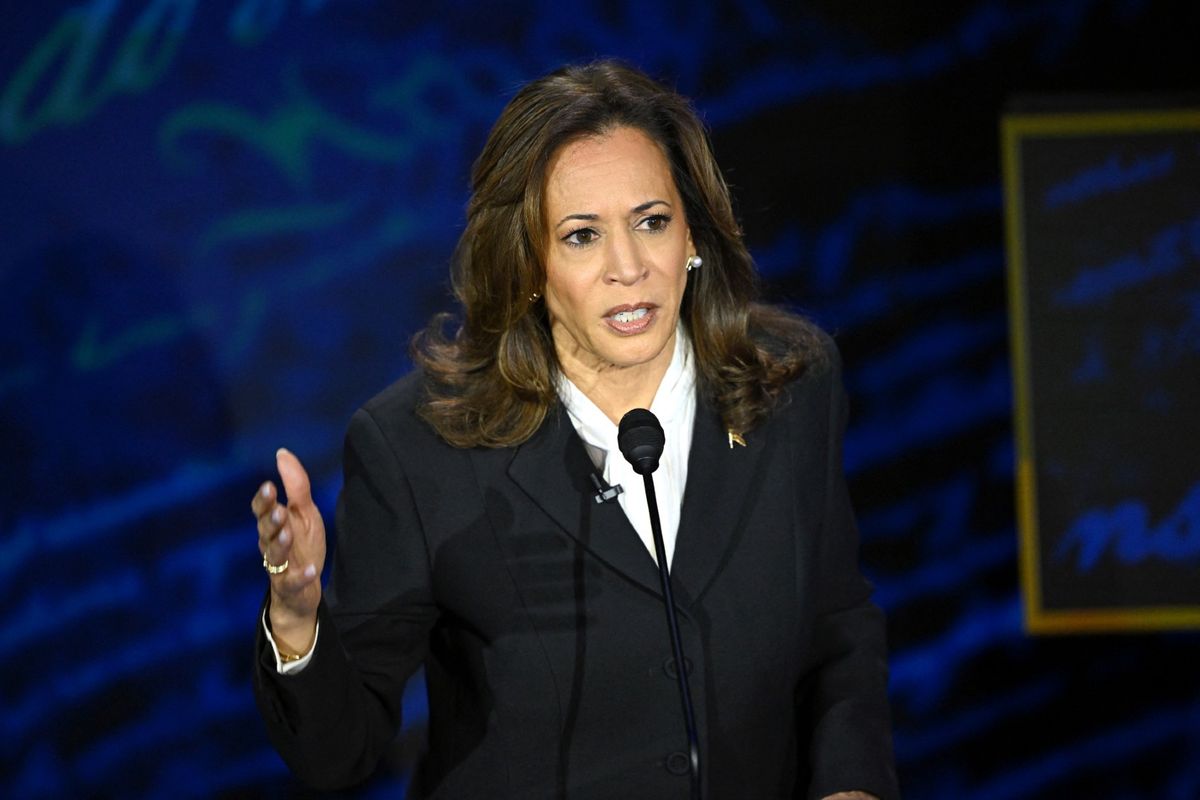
[{"x": 641, "y": 439}]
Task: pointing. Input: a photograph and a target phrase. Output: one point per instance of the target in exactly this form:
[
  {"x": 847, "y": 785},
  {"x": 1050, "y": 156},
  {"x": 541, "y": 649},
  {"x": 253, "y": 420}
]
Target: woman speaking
[{"x": 490, "y": 529}]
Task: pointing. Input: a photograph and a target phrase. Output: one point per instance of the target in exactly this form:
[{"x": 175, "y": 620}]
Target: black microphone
[{"x": 641, "y": 439}]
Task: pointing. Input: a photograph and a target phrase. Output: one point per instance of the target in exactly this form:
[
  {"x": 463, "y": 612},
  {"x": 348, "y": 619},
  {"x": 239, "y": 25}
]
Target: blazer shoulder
[
  {"x": 394, "y": 412},
  {"x": 816, "y": 348},
  {"x": 824, "y": 355},
  {"x": 785, "y": 335},
  {"x": 826, "y": 359},
  {"x": 401, "y": 395}
]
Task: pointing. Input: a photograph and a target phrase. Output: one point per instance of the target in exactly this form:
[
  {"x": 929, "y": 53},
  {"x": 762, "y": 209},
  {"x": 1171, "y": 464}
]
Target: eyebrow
[{"x": 646, "y": 206}]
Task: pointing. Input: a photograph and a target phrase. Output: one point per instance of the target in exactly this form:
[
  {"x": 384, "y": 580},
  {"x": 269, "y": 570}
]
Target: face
[{"x": 615, "y": 259}]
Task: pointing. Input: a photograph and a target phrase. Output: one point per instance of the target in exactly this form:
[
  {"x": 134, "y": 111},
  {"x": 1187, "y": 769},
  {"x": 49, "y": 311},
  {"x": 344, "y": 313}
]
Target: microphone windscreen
[{"x": 641, "y": 439}]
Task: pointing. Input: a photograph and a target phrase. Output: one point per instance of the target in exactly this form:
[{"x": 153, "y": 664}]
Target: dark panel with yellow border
[{"x": 1103, "y": 229}]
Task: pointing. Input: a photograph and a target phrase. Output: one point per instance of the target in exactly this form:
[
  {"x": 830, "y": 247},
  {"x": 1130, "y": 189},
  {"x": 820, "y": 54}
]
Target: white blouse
[{"x": 675, "y": 406}]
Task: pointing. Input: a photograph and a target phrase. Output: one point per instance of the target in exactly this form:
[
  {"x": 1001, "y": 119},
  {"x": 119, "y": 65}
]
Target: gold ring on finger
[{"x": 274, "y": 569}]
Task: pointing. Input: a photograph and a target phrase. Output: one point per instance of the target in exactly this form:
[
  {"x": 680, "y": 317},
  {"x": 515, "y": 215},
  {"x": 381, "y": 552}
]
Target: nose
[{"x": 626, "y": 262}]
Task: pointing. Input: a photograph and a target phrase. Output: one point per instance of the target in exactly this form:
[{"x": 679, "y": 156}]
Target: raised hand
[{"x": 292, "y": 540}]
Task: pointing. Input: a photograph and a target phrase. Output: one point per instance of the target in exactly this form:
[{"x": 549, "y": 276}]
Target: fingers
[
  {"x": 275, "y": 543},
  {"x": 270, "y": 525},
  {"x": 264, "y": 498},
  {"x": 274, "y": 540},
  {"x": 279, "y": 525},
  {"x": 293, "y": 579},
  {"x": 295, "y": 479}
]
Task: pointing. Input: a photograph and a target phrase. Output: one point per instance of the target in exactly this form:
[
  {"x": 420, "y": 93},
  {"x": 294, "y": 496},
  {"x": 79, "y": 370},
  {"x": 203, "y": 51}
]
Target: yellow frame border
[{"x": 1014, "y": 129}]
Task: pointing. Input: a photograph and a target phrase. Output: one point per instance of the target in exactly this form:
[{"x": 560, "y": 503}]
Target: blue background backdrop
[{"x": 223, "y": 220}]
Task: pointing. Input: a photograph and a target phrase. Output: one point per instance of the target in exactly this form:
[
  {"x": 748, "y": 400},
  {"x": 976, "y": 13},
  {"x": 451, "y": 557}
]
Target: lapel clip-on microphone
[
  {"x": 641, "y": 439},
  {"x": 604, "y": 492}
]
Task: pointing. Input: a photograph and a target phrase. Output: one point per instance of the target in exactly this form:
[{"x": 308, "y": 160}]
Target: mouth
[{"x": 629, "y": 320}]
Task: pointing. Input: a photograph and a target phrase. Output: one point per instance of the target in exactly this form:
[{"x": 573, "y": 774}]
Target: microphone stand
[{"x": 685, "y": 693}]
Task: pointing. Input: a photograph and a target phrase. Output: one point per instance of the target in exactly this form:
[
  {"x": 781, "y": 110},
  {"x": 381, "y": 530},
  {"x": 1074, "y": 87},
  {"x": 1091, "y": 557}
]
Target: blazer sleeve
[
  {"x": 331, "y": 721},
  {"x": 843, "y": 702}
]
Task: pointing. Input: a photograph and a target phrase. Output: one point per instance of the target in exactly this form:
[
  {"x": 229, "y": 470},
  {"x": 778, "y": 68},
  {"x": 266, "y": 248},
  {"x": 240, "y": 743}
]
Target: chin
[{"x": 640, "y": 350}]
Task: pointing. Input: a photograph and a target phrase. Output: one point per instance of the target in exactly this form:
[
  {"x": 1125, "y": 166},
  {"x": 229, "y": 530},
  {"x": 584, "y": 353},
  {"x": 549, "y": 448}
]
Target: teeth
[{"x": 630, "y": 316}]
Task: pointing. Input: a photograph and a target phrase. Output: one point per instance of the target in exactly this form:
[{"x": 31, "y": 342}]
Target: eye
[
  {"x": 581, "y": 237},
  {"x": 656, "y": 223}
]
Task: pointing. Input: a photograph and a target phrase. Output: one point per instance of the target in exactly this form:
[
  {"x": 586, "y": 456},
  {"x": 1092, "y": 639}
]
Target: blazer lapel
[
  {"x": 552, "y": 468},
  {"x": 720, "y": 480}
]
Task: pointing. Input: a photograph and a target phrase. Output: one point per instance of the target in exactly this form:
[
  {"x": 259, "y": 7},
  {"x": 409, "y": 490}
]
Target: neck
[{"x": 615, "y": 390}]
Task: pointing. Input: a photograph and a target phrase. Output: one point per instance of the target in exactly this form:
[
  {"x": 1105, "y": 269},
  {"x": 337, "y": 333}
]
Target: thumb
[{"x": 295, "y": 479}]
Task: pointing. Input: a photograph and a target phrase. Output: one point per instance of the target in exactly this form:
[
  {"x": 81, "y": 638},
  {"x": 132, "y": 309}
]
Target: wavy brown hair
[{"x": 492, "y": 382}]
